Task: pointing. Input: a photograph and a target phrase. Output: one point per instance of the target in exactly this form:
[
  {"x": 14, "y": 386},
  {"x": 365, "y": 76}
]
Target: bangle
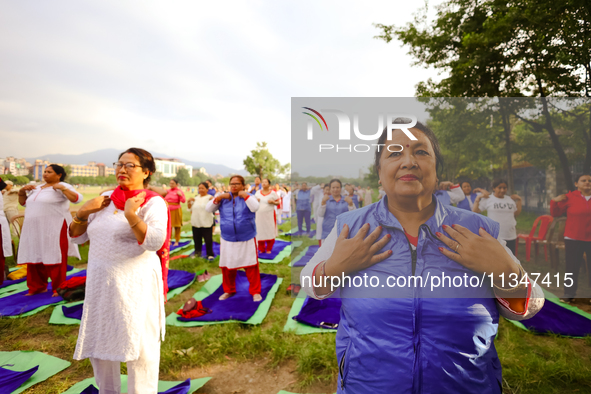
[
  {"x": 136, "y": 223},
  {"x": 79, "y": 218},
  {"x": 82, "y": 223}
]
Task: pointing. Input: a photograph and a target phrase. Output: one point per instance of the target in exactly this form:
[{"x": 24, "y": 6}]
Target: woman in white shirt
[
  {"x": 123, "y": 318},
  {"x": 44, "y": 244},
  {"x": 502, "y": 209},
  {"x": 265, "y": 217},
  {"x": 202, "y": 221}
]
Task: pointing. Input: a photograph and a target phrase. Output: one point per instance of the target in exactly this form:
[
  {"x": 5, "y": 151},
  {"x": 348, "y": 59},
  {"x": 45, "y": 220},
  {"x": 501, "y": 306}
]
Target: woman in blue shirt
[{"x": 332, "y": 206}]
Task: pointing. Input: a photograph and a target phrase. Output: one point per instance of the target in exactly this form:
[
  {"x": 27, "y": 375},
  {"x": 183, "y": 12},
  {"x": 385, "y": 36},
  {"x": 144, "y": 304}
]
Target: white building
[{"x": 170, "y": 167}]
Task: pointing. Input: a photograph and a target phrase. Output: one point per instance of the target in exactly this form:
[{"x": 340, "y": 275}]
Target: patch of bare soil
[{"x": 252, "y": 378}]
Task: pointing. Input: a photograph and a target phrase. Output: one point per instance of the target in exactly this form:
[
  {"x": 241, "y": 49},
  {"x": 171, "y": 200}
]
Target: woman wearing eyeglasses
[
  {"x": 44, "y": 244},
  {"x": 238, "y": 246},
  {"x": 126, "y": 283}
]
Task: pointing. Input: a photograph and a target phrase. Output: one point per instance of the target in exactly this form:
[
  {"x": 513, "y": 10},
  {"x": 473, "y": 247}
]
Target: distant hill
[{"x": 109, "y": 156}]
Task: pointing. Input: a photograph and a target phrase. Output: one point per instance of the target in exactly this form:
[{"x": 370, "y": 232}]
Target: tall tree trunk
[
  {"x": 587, "y": 163},
  {"x": 507, "y": 130},
  {"x": 568, "y": 179}
]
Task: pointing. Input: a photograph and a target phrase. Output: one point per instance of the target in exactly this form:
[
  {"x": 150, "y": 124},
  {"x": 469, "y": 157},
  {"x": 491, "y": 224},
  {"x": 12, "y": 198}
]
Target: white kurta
[
  {"x": 368, "y": 198},
  {"x": 242, "y": 254},
  {"x": 44, "y": 217},
  {"x": 124, "y": 291},
  {"x": 5, "y": 232},
  {"x": 287, "y": 203},
  {"x": 265, "y": 216}
]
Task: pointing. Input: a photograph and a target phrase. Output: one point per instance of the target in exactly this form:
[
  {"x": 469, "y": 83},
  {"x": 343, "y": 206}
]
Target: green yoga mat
[
  {"x": 23, "y": 360},
  {"x": 553, "y": 298},
  {"x": 210, "y": 287},
  {"x": 295, "y": 326},
  {"x": 58, "y": 317},
  {"x": 196, "y": 384}
]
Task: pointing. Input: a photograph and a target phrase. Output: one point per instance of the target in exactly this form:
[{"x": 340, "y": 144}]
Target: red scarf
[{"x": 119, "y": 197}]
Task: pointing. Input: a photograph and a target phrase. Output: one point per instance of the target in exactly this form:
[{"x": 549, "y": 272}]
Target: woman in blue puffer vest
[{"x": 421, "y": 304}]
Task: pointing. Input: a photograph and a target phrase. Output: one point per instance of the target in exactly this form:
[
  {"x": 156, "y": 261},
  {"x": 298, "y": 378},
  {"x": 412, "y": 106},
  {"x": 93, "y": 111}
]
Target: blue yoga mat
[
  {"x": 554, "y": 318},
  {"x": 278, "y": 247},
  {"x": 240, "y": 307},
  {"x": 19, "y": 303},
  {"x": 181, "y": 245},
  {"x": 182, "y": 388},
  {"x": 176, "y": 279},
  {"x": 312, "y": 234},
  {"x": 9, "y": 282},
  {"x": 315, "y": 312},
  {"x": 216, "y": 250},
  {"x": 12, "y": 380},
  {"x": 310, "y": 252}
]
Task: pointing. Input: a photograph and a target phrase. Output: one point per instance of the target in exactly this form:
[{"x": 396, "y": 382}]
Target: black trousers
[
  {"x": 205, "y": 233},
  {"x": 573, "y": 252},
  {"x": 511, "y": 245}
]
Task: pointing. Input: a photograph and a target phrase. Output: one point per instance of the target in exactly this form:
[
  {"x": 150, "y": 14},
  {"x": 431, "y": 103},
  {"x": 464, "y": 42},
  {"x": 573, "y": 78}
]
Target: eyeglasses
[
  {"x": 128, "y": 166},
  {"x": 235, "y": 184}
]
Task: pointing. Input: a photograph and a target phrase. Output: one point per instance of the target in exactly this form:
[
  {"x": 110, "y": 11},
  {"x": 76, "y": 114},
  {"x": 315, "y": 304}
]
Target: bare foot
[
  {"x": 225, "y": 296},
  {"x": 55, "y": 295},
  {"x": 39, "y": 292},
  {"x": 257, "y": 298}
]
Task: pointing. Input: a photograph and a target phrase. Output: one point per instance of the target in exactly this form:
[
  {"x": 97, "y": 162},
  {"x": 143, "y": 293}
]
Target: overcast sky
[{"x": 200, "y": 80}]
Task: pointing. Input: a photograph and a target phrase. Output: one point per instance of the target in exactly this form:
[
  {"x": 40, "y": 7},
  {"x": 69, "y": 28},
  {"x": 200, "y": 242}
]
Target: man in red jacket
[{"x": 577, "y": 232}]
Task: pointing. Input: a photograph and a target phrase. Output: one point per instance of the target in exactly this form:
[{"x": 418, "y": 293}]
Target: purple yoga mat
[
  {"x": 240, "y": 307},
  {"x": 9, "y": 282},
  {"x": 554, "y": 318},
  {"x": 181, "y": 244},
  {"x": 320, "y": 313},
  {"x": 310, "y": 252},
  {"x": 278, "y": 246},
  {"x": 181, "y": 388},
  {"x": 19, "y": 303},
  {"x": 12, "y": 380},
  {"x": 216, "y": 250},
  {"x": 176, "y": 279}
]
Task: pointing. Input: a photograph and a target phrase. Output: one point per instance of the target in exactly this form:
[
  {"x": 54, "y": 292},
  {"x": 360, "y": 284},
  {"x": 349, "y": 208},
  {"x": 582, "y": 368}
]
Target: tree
[
  {"x": 183, "y": 176},
  {"x": 262, "y": 163},
  {"x": 537, "y": 48}
]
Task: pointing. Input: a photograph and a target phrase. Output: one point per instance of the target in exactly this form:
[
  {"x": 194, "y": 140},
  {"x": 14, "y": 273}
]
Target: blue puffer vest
[
  {"x": 465, "y": 204},
  {"x": 237, "y": 222},
  {"x": 333, "y": 209},
  {"x": 417, "y": 340},
  {"x": 303, "y": 203}
]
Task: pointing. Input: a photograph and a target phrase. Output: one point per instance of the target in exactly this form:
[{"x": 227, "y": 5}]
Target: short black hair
[
  {"x": 204, "y": 184},
  {"x": 578, "y": 176},
  {"x": 335, "y": 180},
  {"x": 424, "y": 129},
  {"x": 175, "y": 180},
  {"x": 59, "y": 170},
  {"x": 239, "y": 177},
  {"x": 146, "y": 161}
]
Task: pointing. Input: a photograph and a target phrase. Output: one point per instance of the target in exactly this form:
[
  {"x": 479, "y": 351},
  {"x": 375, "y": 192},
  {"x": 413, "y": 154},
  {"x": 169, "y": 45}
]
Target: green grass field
[{"x": 263, "y": 359}]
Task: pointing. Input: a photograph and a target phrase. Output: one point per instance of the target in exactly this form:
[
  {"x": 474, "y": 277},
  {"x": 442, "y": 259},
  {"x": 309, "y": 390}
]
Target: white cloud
[{"x": 199, "y": 80}]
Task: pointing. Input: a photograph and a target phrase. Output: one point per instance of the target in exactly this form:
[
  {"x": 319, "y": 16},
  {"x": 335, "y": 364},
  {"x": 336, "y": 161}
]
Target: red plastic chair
[{"x": 544, "y": 222}]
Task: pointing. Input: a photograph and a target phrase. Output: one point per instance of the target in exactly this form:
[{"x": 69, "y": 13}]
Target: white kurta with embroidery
[
  {"x": 241, "y": 254},
  {"x": 46, "y": 210},
  {"x": 124, "y": 291},
  {"x": 265, "y": 216},
  {"x": 4, "y": 231}
]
